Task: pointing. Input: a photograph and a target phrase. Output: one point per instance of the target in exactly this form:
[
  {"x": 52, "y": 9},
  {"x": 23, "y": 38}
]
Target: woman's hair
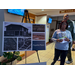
[{"x": 62, "y": 23}]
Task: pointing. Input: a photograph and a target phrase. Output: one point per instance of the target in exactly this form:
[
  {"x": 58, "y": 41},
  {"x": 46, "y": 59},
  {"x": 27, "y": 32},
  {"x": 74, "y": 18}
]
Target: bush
[{"x": 12, "y": 56}]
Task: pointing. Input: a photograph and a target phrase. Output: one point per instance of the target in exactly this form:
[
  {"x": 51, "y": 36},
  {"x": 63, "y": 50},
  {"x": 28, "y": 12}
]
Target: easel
[
  {"x": 38, "y": 56},
  {"x": 26, "y": 14}
]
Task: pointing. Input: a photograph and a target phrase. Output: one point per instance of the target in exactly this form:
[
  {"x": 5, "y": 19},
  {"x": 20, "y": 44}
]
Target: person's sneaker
[
  {"x": 59, "y": 59},
  {"x": 68, "y": 62}
]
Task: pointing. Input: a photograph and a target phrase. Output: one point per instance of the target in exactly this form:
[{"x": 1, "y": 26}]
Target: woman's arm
[{"x": 54, "y": 36}]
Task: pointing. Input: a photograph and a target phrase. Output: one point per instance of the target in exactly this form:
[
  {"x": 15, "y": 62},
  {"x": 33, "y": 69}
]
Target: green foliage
[
  {"x": 17, "y": 53},
  {"x": 2, "y": 63},
  {"x": 19, "y": 58},
  {"x": 10, "y": 55}
]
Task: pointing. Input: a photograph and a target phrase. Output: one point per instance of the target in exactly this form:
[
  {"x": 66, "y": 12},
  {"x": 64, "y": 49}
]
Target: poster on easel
[{"x": 23, "y": 37}]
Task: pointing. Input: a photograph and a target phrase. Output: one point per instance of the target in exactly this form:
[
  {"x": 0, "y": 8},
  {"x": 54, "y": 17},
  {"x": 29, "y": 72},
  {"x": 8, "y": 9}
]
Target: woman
[{"x": 62, "y": 38}]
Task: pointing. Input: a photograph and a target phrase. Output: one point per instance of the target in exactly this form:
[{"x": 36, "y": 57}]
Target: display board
[{"x": 23, "y": 36}]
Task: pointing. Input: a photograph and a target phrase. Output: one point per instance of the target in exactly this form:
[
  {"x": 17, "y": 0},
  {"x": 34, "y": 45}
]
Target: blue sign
[
  {"x": 38, "y": 45},
  {"x": 16, "y": 11},
  {"x": 49, "y": 20}
]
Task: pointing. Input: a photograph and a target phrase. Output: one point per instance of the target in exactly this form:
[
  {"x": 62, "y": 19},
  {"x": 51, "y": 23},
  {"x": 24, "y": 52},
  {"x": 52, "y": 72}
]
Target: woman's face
[{"x": 63, "y": 25}]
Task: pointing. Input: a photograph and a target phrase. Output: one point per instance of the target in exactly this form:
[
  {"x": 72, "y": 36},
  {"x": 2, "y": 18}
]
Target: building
[
  {"x": 38, "y": 28},
  {"x": 15, "y": 30}
]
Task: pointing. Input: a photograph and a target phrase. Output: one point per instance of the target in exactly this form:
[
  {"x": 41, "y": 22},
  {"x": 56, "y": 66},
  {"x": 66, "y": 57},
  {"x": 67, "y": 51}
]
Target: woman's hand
[
  {"x": 66, "y": 39},
  {"x": 59, "y": 40}
]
